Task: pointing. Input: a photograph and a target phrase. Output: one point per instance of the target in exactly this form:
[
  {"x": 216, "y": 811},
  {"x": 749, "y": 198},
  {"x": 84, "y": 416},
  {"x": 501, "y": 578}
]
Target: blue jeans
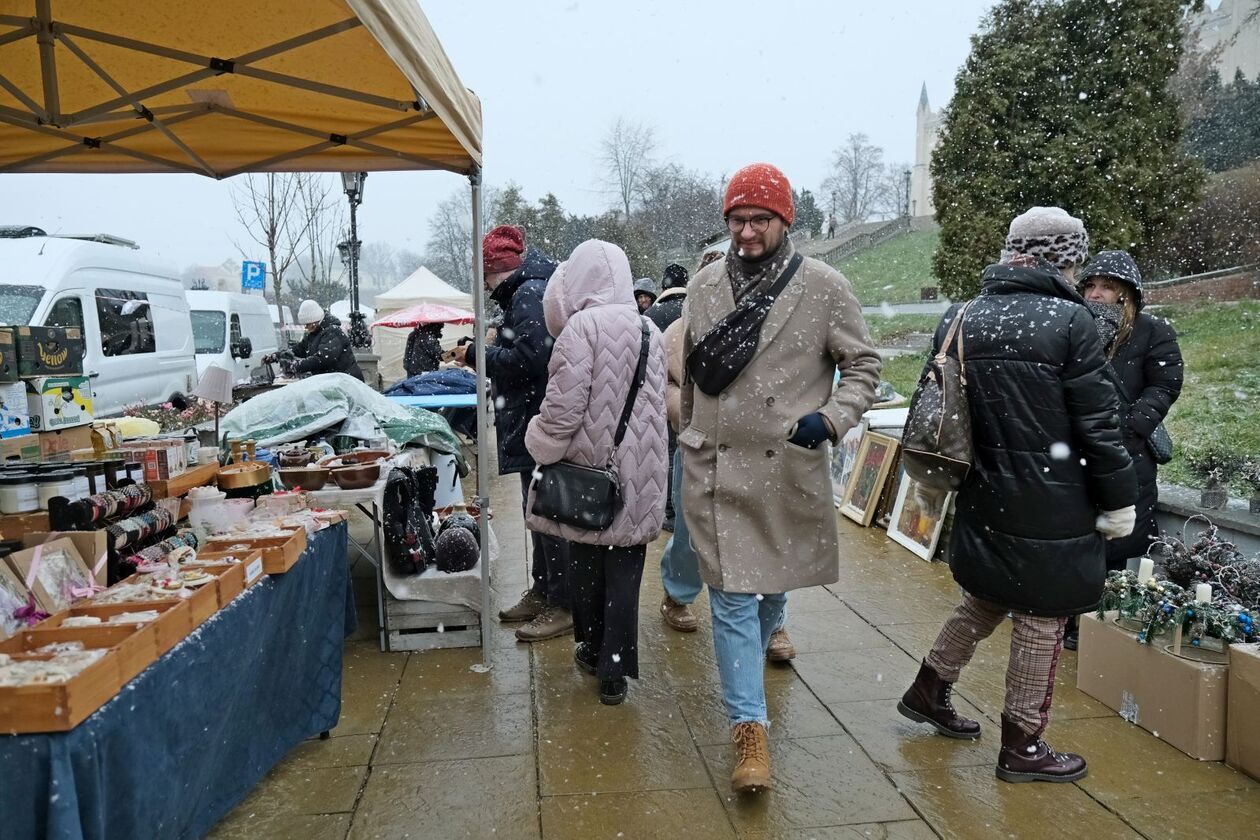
[
  {"x": 680, "y": 569},
  {"x": 742, "y": 626}
]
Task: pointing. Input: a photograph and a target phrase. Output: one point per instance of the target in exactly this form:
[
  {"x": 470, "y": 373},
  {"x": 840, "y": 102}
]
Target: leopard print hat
[{"x": 1050, "y": 233}]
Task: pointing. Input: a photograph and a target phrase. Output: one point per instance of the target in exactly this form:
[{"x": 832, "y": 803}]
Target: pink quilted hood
[{"x": 582, "y": 281}]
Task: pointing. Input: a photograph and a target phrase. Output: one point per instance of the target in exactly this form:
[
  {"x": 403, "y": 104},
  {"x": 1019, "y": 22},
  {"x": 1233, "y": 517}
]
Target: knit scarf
[
  {"x": 1107, "y": 317},
  {"x": 748, "y": 276}
]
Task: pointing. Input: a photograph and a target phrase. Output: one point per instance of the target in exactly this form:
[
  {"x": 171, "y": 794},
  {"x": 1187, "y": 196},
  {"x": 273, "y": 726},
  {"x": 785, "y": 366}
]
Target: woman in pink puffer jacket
[{"x": 590, "y": 310}]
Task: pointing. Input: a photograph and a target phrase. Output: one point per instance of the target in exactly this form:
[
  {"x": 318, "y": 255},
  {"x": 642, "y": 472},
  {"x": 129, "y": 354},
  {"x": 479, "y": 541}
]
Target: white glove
[
  {"x": 929, "y": 499},
  {"x": 1114, "y": 524}
]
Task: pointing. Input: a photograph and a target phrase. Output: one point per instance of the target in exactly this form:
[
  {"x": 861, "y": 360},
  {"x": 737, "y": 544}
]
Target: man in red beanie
[
  {"x": 756, "y": 486},
  {"x": 516, "y": 362}
]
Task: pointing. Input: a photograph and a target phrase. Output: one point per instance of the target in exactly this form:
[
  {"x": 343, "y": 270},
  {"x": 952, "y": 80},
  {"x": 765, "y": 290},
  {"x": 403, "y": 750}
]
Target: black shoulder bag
[
  {"x": 587, "y": 497},
  {"x": 725, "y": 350}
]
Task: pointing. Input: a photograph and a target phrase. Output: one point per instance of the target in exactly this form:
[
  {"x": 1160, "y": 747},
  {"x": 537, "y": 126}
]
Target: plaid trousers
[{"x": 1036, "y": 642}]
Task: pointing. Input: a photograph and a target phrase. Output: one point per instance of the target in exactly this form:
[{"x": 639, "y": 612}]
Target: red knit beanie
[
  {"x": 760, "y": 185},
  {"x": 501, "y": 249}
]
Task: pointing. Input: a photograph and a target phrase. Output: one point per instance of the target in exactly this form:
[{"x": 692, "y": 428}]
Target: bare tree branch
[
  {"x": 626, "y": 155},
  {"x": 852, "y": 190},
  {"x": 265, "y": 205}
]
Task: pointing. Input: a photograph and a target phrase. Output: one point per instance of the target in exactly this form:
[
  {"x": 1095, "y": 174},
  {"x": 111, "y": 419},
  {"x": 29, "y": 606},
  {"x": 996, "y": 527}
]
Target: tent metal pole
[{"x": 483, "y": 460}]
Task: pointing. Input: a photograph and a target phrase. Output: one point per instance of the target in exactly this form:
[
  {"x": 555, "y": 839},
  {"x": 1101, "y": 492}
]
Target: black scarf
[
  {"x": 1107, "y": 317},
  {"x": 749, "y": 275}
]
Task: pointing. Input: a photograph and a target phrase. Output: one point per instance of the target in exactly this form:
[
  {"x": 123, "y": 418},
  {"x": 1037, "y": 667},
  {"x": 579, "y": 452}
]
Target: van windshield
[
  {"x": 17, "y": 303},
  {"x": 209, "y": 330}
]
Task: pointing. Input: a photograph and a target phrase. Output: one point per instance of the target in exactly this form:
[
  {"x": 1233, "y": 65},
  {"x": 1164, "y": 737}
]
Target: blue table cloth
[{"x": 185, "y": 741}]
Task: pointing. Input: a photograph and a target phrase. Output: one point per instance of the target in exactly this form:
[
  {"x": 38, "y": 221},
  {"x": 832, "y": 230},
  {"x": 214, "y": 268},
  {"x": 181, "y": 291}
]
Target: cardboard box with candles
[{"x": 1180, "y": 700}]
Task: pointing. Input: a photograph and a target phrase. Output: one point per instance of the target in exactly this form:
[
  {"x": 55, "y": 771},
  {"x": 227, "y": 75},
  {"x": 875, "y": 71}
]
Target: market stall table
[{"x": 187, "y": 739}]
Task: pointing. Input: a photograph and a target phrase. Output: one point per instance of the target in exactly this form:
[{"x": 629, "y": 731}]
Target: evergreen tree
[
  {"x": 808, "y": 215},
  {"x": 1227, "y": 135},
  {"x": 1063, "y": 102}
]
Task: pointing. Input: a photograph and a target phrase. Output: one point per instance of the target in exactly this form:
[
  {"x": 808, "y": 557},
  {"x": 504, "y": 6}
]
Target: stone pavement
[{"x": 428, "y": 748}]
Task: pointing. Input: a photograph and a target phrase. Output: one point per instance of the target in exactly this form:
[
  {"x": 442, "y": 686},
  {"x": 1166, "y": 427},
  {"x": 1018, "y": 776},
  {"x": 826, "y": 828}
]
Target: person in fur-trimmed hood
[
  {"x": 1050, "y": 482},
  {"x": 669, "y": 306}
]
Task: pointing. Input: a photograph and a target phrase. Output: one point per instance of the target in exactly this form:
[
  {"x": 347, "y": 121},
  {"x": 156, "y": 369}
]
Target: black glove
[
  {"x": 810, "y": 431},
  {"x": 470, "y": 354}
]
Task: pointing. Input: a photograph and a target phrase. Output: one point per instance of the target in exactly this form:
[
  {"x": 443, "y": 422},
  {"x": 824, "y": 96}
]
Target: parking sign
[{"x": 253, "y": 275}]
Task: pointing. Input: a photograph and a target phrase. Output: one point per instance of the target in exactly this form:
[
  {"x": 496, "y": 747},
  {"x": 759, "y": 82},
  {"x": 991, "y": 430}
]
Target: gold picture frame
[{"x": 874, "y": 459}]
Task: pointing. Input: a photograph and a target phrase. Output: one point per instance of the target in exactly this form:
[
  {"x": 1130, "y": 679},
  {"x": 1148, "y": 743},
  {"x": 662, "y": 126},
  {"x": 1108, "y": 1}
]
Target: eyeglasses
[{"x": 758, "y": 223}]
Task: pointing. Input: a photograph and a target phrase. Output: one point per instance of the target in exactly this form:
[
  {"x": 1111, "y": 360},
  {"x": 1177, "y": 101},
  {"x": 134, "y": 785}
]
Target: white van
[
  {"x": 132, "y": 311},
  {"x": 233, "y": 331}
]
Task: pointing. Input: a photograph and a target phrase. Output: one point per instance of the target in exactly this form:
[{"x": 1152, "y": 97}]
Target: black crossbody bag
[
  {"x": 725, "y": 350},
  {"x": 588, "y": 497}
]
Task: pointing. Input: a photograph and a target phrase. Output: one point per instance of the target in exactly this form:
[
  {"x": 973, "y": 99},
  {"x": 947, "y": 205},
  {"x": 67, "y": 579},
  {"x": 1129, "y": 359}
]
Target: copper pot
[
  {"x": 304, "y": 478},
  {"x": 360, "y": 456},
  {"x": 296, "y": 458},
  {"x": 357, "y": 477}
]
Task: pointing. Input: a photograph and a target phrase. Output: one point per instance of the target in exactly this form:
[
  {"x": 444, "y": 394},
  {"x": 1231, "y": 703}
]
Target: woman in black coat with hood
[{"x": 1145, "y": 361}]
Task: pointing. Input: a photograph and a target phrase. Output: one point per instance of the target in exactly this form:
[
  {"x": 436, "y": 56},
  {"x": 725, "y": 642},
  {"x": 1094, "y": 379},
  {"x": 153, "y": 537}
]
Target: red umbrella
[{"x": 426, "y": 313}]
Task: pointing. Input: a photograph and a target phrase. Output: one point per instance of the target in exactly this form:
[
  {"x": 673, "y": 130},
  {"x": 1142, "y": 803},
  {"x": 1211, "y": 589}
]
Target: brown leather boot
[
  {"x": 1027, "y": 758},
  {"x": 752, "y": 758},
  {"x": 548, "y": 624},
  {"x": 928, "y": 701},
  {"x": 526, "y": 609},
  {"x": 780, "y": 648},
  {"x": 678, "y": 616}
]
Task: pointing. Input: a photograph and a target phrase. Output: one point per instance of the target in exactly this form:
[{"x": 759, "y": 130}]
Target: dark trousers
[
  {"x": 606, "y": 604},
  {"x": 550, "y": 567}
]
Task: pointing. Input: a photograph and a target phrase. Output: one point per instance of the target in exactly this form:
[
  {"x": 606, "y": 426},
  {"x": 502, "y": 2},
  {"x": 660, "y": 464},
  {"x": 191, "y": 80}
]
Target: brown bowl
[
  {"x": 361, "y": 456},
  {"x": 296, "y": 458},
  {"x": 304, "y": 478},
  {"x": 357, "y": 478}
]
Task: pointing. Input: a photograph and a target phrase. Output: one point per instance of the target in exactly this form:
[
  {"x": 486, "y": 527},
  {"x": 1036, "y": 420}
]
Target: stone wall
[{"x": 1241, "y": 285}]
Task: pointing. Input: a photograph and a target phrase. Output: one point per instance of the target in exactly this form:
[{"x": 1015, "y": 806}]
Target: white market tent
[
  {"x": 235, "y": 86},
  {"x": 423, "y": 286}
]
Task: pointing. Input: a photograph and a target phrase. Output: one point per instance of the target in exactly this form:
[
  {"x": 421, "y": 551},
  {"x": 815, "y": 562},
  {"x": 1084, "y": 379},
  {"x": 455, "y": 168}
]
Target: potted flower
[{"x": 1214, "y": 465}]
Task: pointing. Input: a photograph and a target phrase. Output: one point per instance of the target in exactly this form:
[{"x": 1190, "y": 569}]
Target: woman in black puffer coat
[
  {"x": 1146, "y": 362},
  {"x": 1048, "y": 453}
]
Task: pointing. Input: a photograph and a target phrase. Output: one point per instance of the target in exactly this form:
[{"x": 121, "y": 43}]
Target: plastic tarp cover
[{"x": 318, "y": 403}]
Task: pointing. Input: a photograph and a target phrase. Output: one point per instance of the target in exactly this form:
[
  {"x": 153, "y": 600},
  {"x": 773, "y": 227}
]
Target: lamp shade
[{"x": 215, "y": 385}]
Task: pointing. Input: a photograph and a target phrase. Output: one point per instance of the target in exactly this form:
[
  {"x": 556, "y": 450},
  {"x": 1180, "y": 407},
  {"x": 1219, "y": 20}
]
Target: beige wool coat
[{"x": 759, "y": 508}]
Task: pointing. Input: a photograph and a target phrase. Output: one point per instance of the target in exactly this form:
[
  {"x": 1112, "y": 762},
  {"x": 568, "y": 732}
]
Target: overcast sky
[{"x": 723, "y": 83}]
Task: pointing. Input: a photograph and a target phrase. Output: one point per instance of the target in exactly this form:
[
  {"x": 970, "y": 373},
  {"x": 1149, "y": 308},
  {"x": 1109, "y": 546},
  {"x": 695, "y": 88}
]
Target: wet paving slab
[{"x": 431, "y": 745}]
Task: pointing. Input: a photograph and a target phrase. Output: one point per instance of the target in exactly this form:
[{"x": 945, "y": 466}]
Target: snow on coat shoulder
[{"x": 590, "y": 309}]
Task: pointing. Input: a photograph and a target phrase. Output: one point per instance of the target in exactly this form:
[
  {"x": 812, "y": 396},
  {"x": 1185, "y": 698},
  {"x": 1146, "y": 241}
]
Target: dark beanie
[{"x": 675, "y": 277}]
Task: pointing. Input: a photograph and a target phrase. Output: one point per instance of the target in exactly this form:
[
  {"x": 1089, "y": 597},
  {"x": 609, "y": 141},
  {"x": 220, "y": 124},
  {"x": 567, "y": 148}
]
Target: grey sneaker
[
  {"x": 548, "y": 624},
  {"x": 526, "y": 609}
]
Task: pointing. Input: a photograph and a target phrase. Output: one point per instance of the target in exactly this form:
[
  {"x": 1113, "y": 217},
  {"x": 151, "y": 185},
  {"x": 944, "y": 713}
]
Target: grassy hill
[{"x": 893, "y": 271}]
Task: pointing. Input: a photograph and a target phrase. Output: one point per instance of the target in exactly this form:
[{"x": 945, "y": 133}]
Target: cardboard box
[
  {"x": 161, "y": 458},
  {"x": 8, "y": 357},
  {"x": 64, "y": 441},
  {"x": 21, "y": 448},
  {"x": 59, "y": 402},
  {"x": 1180, "y": 700},
  {"x": 49, "y": 583},
  {"x": 49, "y": 351},
  {"x": 1242, "y": 728},
  {"x": 15, "y": 415},
  {"x": 93, "y": 547}
]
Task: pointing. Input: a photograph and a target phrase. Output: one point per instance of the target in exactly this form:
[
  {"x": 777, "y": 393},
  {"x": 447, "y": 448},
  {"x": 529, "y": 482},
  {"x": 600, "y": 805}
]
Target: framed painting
[
  {"x": 870, "y": 471},
  {"x": 913, "y": 527},
  {"x": 888, "y": 495},
  {"x": 843, "y": 457}
]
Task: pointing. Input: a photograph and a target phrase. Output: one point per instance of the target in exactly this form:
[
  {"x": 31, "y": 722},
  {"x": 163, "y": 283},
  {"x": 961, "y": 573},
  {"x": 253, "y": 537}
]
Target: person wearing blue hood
[
  {"x": 1145, "y": 364},
  {"x": 516, "y": 362}
]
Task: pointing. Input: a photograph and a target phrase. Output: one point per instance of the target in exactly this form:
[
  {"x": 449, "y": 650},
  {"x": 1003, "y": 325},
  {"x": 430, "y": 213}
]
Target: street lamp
[
  {"x": 907, "y": 176},
  {"x": 353, "y": 183}
]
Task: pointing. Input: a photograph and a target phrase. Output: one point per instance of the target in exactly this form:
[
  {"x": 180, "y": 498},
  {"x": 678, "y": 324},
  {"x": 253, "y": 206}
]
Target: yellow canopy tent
[{"x": 224, "y": 87}]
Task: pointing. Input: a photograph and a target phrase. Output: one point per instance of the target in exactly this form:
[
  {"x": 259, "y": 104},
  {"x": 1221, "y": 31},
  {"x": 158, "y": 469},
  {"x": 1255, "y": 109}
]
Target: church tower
[
  {"x": 927, "y": 124},
  {"x": 1232, "y": 28}
]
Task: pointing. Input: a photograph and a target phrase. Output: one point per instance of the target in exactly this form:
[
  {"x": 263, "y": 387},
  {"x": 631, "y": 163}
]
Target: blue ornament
[
  {"x": 1189, "y": 613},
  {"x": 1194, "y": 642}
]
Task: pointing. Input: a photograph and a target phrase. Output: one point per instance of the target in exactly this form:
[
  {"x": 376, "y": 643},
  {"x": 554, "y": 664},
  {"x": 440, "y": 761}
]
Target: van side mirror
[{"x": 243, "y": 348}]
